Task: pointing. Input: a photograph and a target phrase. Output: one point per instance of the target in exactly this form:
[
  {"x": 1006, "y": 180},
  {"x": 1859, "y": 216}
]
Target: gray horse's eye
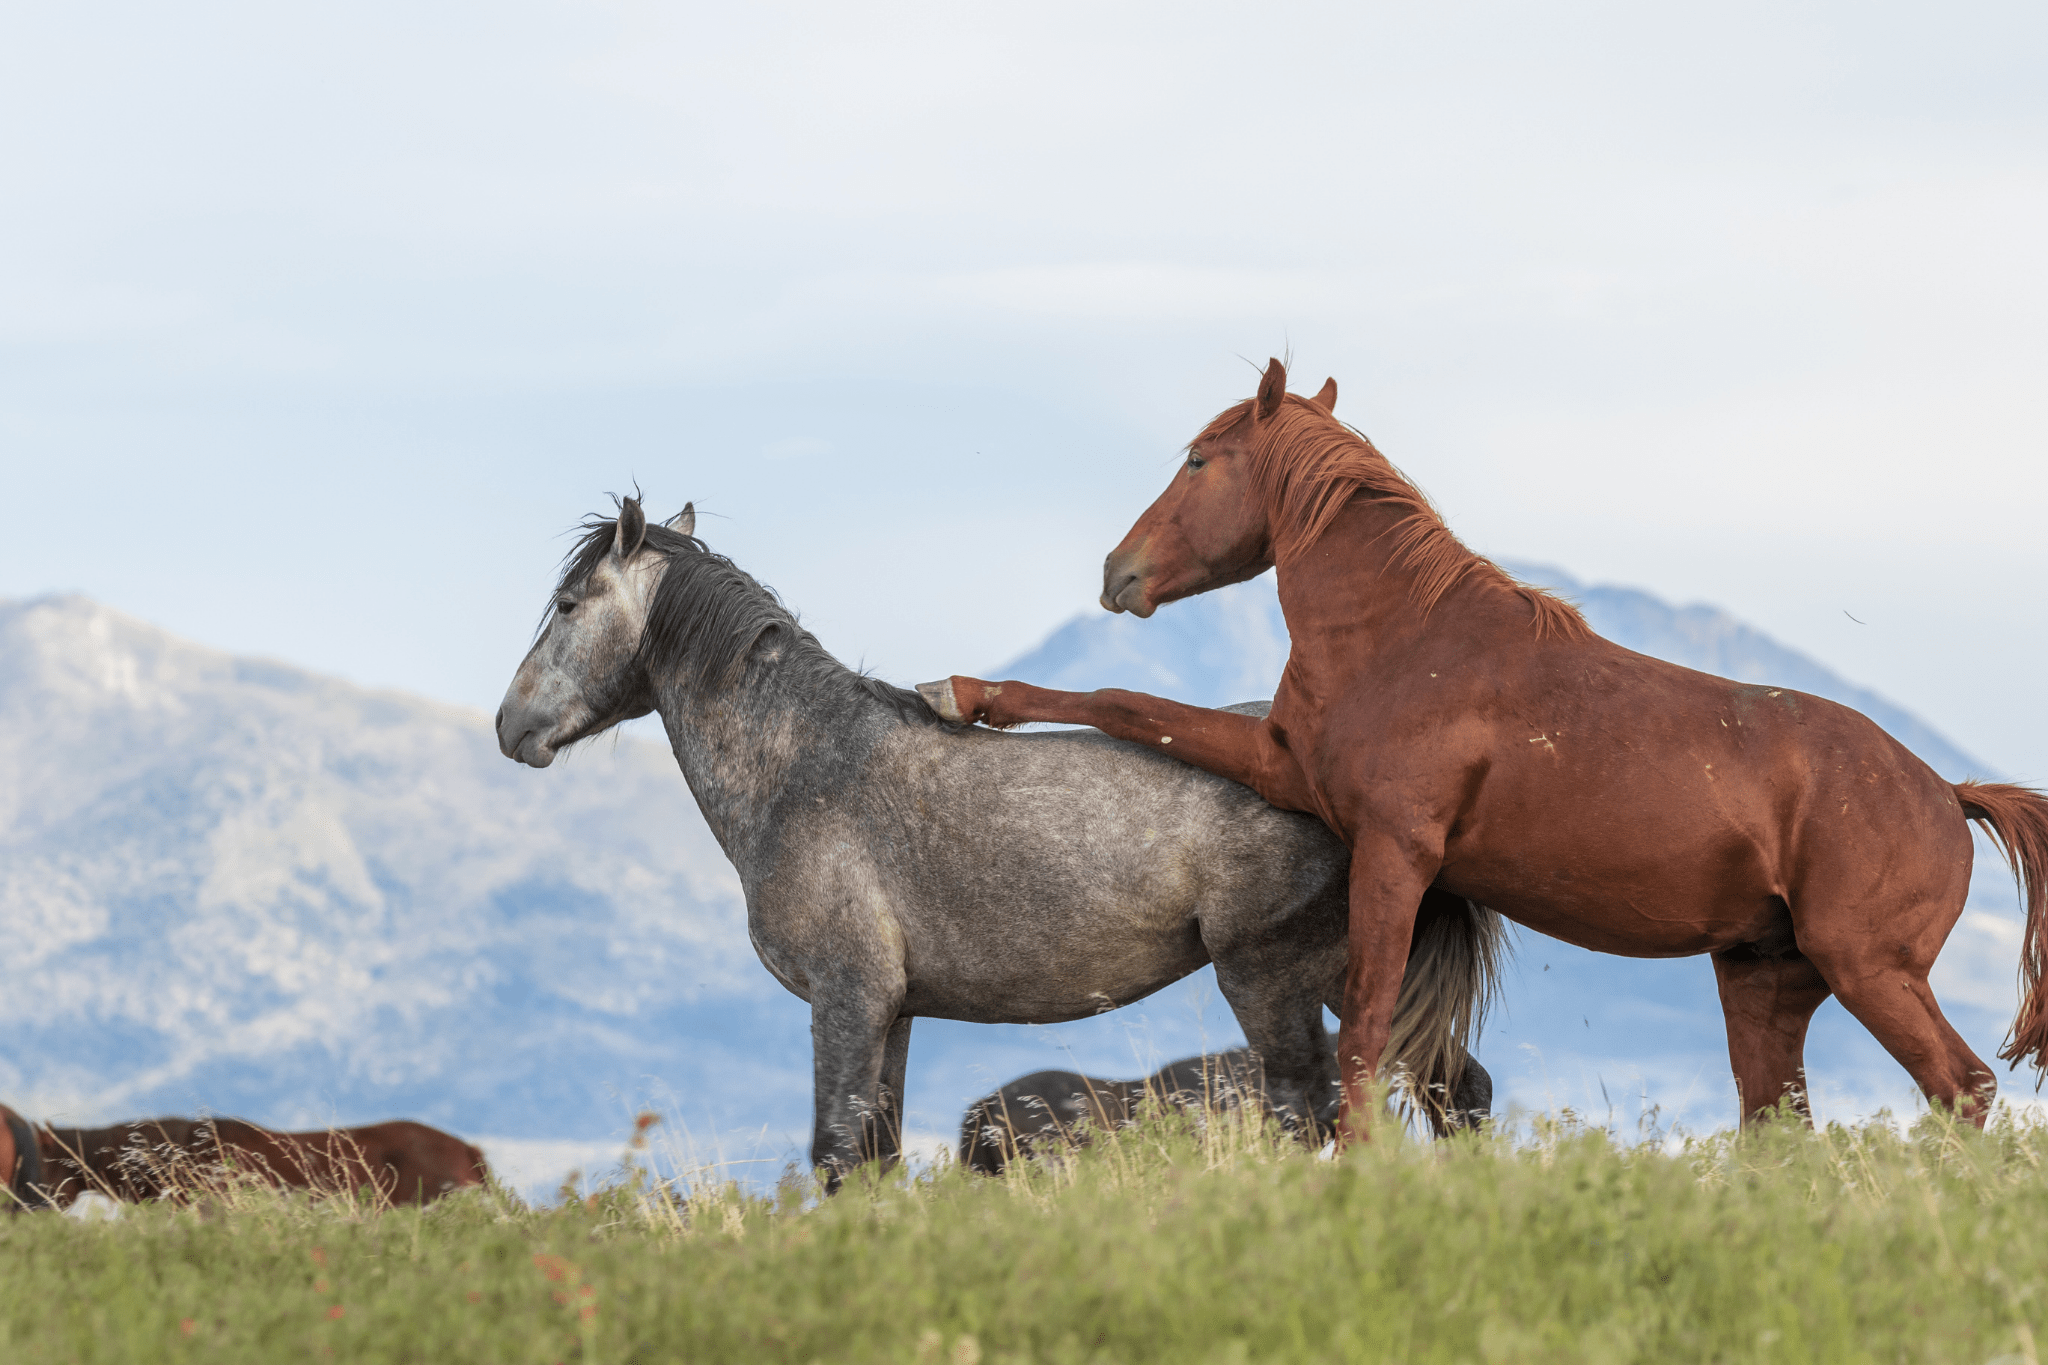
[{"x": 565, "y": 606}]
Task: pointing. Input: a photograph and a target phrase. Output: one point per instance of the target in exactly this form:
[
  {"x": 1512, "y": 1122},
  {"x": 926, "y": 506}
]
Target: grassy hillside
[{"x": 1173, "y": 1241}]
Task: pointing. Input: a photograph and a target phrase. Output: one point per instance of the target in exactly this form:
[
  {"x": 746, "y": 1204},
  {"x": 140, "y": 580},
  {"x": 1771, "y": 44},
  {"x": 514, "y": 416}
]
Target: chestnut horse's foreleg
[
  {"x": 1243, "y": 748},
  {"x": 1767, "y": 1003},
  {"x": 1387, "y": 884}
]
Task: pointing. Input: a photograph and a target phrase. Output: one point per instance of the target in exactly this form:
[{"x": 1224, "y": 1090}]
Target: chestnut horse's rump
[{"x": 1457, "y": 727}]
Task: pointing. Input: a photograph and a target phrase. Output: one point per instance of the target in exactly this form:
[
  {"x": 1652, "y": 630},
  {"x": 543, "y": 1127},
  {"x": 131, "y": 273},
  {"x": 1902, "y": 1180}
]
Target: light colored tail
[
  {"x": 1452, "y": 980},
  {"x": 2017, "y": 818}
]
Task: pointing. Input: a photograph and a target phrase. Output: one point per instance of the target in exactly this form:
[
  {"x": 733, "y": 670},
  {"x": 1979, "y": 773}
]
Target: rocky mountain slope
[{"x": 230, "y": 883}]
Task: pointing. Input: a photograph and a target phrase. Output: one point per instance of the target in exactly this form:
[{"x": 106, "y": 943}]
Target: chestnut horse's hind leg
[
  {"x": 1898, "y": 1007},
  {"x": 1883, "y": 982},
  {"x": 1768, "y": 1002}
]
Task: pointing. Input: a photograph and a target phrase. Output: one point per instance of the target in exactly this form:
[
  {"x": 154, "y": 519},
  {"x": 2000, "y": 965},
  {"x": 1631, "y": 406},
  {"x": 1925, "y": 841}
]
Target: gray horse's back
[{"x": 1141, "y": 867}]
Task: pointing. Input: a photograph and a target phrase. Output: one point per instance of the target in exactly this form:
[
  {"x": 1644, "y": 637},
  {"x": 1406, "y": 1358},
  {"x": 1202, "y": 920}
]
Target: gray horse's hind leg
[
  {"x": 852, "y": 1036},
  {"x": 1283, "y": 1025}
]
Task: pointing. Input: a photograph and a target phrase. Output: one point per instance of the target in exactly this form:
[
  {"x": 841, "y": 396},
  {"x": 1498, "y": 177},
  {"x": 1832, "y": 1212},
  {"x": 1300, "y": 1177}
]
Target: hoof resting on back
[{"x": 940, "y": 695}]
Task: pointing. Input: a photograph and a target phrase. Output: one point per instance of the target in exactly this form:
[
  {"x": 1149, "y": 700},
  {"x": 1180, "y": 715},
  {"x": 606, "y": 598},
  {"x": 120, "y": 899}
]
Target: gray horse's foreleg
[
  {"x": 851, "y": 1037},
  {"x": 889, "y": 1108}
]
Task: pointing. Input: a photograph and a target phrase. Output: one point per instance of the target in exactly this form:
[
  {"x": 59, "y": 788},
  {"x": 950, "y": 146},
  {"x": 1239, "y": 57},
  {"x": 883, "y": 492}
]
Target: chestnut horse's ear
[
  {"x": 1326, "y": 397},
  {"x": 630, "y": 529},
  {"x": 684, "y": 523},
  {"x": 1272, "y": 389}
]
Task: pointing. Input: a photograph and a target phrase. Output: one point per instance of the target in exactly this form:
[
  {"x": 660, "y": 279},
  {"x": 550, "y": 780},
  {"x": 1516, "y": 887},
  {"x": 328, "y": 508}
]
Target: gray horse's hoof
[{"x": 940, "y": 696}]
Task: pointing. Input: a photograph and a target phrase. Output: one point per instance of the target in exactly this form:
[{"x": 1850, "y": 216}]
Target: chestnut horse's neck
[{"x": 1377, "y": 582}]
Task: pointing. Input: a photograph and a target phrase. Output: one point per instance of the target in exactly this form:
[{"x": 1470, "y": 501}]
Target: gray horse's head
[{"x": 584, "y": 674}]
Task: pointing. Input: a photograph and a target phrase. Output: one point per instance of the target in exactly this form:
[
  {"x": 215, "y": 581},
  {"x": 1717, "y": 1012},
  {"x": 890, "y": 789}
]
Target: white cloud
[{"x": 321, "y": 322}]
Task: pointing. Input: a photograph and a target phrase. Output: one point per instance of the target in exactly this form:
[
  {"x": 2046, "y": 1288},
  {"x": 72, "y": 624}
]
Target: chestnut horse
[
  {"x": 403, "y": 1161},
  {"x": 1456, "y": 727}
]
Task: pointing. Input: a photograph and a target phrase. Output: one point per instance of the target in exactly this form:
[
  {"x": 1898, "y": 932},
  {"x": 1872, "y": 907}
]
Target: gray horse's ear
[
  {"x": 1326, "y": 397},
  {"x": 630, "y": 530},
  {"x": 1272, "y": 388},
  {"x": 684, "y": 523}
]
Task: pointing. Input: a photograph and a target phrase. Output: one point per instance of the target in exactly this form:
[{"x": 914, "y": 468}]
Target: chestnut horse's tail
[
  {"x": 1453, "y": 975},
  {"x": 2017, "y": 818}
]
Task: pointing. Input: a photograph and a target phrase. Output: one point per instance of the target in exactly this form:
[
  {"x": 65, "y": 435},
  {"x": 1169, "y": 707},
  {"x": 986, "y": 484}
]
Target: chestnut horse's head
[
  {"x": 583, "y": 674},
  {"x": 1212, "y": 526}
]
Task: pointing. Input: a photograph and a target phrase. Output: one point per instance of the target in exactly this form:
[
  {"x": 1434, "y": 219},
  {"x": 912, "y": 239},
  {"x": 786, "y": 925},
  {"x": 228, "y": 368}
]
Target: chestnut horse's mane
[{"x": 1308, "y": 465}]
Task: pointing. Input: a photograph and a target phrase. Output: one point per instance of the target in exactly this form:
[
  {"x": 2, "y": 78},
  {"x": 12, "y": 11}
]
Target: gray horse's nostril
[{"x": 498, "y": 722}]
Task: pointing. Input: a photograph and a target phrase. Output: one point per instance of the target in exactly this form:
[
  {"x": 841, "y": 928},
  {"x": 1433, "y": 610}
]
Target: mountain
[
  {"x": 229, "y": 884},
  {"x": 233, "y": 886},
  {"x": 1597, "y": 1033}
]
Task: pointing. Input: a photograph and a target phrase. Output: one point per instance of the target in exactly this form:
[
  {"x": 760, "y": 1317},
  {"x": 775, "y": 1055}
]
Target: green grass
[{"x": 1176, "y": 1241}]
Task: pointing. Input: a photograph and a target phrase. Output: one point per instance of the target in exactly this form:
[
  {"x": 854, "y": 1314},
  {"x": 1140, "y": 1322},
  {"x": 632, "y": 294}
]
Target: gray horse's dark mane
[{"x": 709, "y": 613}]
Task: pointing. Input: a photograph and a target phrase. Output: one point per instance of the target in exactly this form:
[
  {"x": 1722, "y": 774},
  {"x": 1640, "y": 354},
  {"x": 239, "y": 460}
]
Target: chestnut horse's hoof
[{"x": 940, "y": 695}]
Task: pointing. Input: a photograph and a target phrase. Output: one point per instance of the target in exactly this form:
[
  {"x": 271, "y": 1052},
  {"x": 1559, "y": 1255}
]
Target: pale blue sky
[{"x": 319, "y": 322}]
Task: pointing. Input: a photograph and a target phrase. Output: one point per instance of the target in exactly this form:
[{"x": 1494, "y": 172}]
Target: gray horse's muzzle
[{"x": 520, "y": 739}]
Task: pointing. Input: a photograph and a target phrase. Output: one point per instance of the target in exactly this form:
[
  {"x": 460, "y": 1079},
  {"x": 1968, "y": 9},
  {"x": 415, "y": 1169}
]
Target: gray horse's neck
[{"x": 795, "y": 728}]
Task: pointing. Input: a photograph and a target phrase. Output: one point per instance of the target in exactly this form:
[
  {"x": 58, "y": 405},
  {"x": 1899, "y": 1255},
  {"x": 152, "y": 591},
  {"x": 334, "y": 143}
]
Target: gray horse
[
  {"x": 1058, "y": 1110},
  {"x": 897, "y": 866}
]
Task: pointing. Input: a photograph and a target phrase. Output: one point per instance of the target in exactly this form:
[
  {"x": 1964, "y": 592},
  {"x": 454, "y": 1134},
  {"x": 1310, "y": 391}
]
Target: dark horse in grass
[
  {"x": 1458, "y": 728},
  {"x": 21, "y": 1163},
  {"x": 895, "y": 865},
  {"x": 1057, "y": 1110},
  {"x": 1049, "y": 1111}
]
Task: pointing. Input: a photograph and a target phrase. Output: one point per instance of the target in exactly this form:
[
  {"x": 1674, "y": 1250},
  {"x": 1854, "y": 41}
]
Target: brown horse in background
[
  {"x": 1457, "y": 727},
  {"x": 404, "y": 1162},
  {"x": 21, "y": 1163}
]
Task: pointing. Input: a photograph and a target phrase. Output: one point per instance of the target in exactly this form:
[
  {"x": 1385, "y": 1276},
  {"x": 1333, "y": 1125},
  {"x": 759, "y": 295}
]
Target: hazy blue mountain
[
  {"x": 1575, "y": 1024},
  {"x": 230, "y": 885}
]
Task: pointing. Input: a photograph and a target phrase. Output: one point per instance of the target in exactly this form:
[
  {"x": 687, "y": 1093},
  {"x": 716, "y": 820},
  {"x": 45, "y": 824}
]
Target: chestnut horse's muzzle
[{"x": 1123, "y": 585}]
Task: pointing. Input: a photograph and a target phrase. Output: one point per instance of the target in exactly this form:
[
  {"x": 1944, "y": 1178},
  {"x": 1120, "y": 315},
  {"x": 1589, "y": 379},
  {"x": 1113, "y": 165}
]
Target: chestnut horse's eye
[
  {"x": 565, "y": 606},
  {"x": 1195, "y": 461}
]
